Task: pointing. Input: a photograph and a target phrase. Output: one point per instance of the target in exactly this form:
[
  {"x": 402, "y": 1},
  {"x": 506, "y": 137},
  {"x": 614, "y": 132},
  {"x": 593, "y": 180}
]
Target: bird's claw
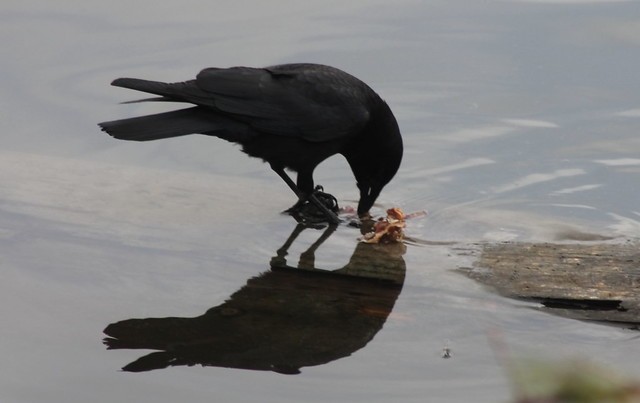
[
  {"x": 306, "y": 211},
  {"x": 328, "y": 200}
]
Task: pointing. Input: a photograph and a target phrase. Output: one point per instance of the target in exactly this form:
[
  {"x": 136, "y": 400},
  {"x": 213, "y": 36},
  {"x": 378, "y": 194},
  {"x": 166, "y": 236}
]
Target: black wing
[{"x": 315, "y": 102}]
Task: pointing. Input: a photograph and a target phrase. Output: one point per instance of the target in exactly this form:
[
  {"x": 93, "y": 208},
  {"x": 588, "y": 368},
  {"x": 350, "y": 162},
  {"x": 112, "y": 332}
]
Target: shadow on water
[{"x": 287, "y": 318}]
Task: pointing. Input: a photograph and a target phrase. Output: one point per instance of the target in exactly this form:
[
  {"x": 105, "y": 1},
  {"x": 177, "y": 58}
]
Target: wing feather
[{"x": 317, "y": 104}]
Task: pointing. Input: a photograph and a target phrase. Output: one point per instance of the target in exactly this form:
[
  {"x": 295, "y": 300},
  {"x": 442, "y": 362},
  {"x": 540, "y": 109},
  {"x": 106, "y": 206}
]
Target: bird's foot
[{"x": 318, "y": 207}]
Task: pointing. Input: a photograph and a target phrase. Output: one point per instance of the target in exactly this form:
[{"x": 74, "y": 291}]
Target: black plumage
[{"x": 292, "y": 116}]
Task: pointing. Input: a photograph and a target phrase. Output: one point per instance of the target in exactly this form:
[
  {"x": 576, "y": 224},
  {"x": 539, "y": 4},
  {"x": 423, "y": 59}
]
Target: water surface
[{"x": 520, "y": 123}]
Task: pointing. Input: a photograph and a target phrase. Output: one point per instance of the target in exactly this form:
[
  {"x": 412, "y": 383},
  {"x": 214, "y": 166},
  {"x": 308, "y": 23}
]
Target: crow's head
[{"x": 375, "y": 157}]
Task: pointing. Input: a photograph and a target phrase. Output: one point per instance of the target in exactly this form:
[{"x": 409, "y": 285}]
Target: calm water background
[{"x": 520, "y": 121}]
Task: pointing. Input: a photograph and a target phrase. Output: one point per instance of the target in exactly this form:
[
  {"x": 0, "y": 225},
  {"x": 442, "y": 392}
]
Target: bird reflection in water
[{"x": 282, "y": 320}]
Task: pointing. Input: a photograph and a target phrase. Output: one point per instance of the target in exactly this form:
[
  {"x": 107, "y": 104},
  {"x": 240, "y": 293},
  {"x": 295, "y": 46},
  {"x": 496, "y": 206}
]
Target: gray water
[{"x": 520, "y": 123}]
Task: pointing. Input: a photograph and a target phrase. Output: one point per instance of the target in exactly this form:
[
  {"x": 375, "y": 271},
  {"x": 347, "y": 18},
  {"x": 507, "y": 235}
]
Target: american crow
[{"x": 292, "y": 116}]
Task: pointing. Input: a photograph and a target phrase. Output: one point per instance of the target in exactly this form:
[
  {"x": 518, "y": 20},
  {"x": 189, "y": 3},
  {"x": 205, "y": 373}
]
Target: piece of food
[{"x": 387, "y": 230}]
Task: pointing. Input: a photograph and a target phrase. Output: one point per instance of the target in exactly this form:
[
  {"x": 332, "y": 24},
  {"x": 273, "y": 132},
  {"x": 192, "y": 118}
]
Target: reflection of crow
[
  {"x": 292, "y": 116},
  {"x": 280, "y": 321}
]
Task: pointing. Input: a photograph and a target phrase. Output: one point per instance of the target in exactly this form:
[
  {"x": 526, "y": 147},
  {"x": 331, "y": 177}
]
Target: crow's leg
[
  {"x": 331, "y": 217},
  {"x": 292, "y": 185}
]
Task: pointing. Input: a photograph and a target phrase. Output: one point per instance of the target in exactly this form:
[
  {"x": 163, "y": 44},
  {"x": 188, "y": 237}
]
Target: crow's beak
[{"x": 368, "y": 196}]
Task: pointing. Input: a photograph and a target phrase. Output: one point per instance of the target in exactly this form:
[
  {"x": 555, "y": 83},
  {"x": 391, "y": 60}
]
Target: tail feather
[
  {"x": 152, "y": 87},
  {"x": 154, "y": 99},
  {"x": 162, "y": 125},
  {"x": 203, "y": 119},
  {"x": 186, "y": 91}
]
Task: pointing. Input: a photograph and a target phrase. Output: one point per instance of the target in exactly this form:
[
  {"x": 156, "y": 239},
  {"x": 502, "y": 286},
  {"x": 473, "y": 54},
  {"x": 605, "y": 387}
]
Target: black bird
[{"x": 293, "y": 116}]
